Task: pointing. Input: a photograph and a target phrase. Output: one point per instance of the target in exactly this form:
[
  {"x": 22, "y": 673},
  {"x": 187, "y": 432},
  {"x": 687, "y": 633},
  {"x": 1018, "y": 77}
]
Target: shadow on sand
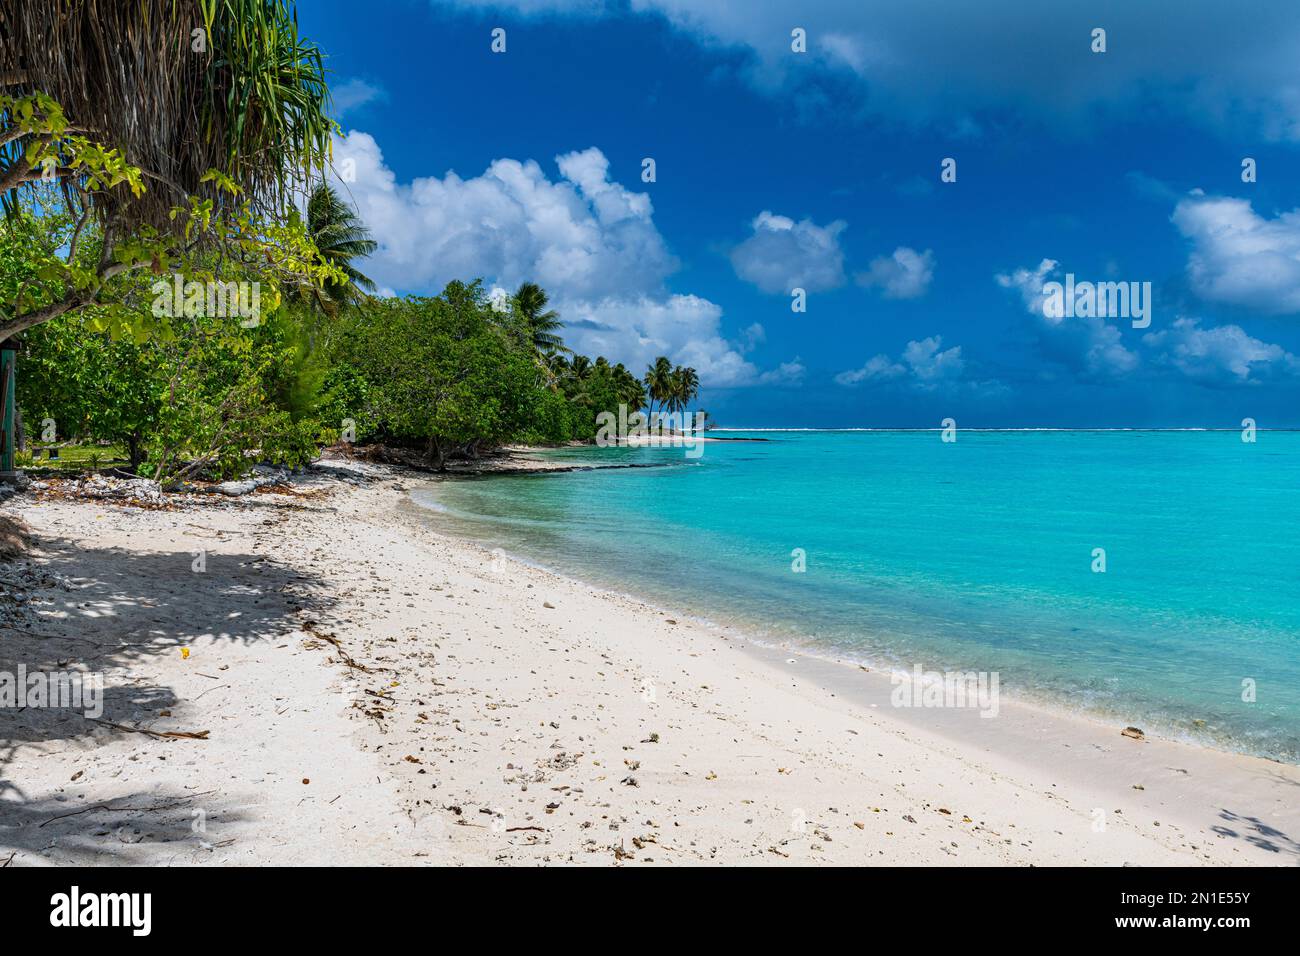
[{"x": 118, "y": 609}]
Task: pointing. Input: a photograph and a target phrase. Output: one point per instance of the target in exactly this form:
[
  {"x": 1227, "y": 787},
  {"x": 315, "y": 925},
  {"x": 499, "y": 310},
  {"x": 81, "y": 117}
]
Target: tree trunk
[{"x": 134, "y": 451}]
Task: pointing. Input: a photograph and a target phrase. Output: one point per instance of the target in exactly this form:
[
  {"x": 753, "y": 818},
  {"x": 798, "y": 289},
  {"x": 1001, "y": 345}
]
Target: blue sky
[{"x": 820, "y": 170}]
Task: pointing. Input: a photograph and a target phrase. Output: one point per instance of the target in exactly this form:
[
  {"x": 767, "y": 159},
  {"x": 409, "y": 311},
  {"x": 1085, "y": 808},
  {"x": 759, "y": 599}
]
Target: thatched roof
[{"x": 251, "y": 101}]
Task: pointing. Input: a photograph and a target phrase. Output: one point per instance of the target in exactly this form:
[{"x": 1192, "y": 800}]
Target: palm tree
[
  {"x": 571, "y": 376},
  {"x": 631, "y": 391},
  {"x": 683, "y": 385},
  {"x": 530, "y": 302},
  {"x": 341, "y": 237},
  {"x": 658, "y": 382},
  {"x": 687, "y": 383}
]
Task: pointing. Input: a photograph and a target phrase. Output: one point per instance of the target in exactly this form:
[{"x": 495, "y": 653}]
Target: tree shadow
[
  {"x": 114, "y": 610},
  {"x": 127, "y": 829},
  {"x": 1259, "y": 834}
]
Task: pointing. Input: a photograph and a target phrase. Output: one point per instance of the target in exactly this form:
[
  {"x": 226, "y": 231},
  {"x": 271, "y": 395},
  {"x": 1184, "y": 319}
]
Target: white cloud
[
  {"x": 1029, "y": 283},
  {"x": 782, "y": 255},
  {"x": 923, "y": 364},
  {"x": 1210, "y": 64},
  {"x": 1091, "y": 345},
  {"x": 904, "y": 275},
  {"x": 636, "y": 329},
  {"x": 929, "y": 364},
  {"x": 1240, "y": 258},
  {"x": 754, "y": 336},
  {"x": 1224, "y": 354},
  {"x": 787, "y": 373},
  {"x": 581, "y": 236},
  {"x": 590, "y": 242},
  {"x": 879, "y": 368},
  {"x": 355, "y": 93},
  {"x": 1219, "y": 355}
]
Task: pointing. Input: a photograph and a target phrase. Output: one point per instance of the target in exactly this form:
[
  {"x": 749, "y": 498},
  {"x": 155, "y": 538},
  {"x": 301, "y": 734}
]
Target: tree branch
[
  {"x": 76, "y": 298},
  {"x": 76, "y": 234}
]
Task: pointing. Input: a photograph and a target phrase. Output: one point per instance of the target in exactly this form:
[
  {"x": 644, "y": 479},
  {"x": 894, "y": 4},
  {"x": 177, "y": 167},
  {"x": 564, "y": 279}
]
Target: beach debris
[
  {"x": 136, "y": 492},
  {"x": 353, "y": 472},
  {"x": 548, "y": 604},
  {"x": 652, "y": 739},
  {"x": 15, "y": 536},
  {"x": 859, "y": 824},
  {"x": 311, "y": 628},
  {"x": 185, "y": 653},
  {"x": 306, "y": 780},
  {"x": 262, "y": 476},
  {"x": 1138, "y": 786},
  {"x": 21, "y": 602},
  {"x": 172, "y": 734},
  {"x": 1134, "y": 732},
  {"x": 909, "y": 818}
]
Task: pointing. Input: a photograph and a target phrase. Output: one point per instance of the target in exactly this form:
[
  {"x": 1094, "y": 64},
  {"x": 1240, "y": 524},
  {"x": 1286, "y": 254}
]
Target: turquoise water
[{"x": 976, "y": 554}]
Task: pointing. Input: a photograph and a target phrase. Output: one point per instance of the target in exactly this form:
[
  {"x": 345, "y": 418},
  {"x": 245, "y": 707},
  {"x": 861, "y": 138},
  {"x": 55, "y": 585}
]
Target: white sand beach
[{"x": 375, "y": 692}]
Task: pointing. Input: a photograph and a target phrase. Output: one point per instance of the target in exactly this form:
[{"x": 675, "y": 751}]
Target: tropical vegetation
[{"x": 144, "y": 160}]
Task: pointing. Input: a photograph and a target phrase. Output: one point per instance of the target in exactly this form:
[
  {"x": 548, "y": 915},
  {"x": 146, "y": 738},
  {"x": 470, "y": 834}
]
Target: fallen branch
[
  {"x": 105, "y": 807},
  {"x": 344, "y": 656},
  {"x": 175, "y": 734}
]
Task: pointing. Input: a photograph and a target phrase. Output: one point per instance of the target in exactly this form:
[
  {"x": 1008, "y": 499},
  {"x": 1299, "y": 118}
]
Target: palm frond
[{"x": 180, "y": 87}]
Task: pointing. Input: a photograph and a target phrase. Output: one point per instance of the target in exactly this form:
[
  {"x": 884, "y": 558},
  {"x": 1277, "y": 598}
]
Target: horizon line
[{"x": 1002, "y": 428}]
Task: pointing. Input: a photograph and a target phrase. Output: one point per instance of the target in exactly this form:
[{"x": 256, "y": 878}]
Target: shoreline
[
  {"x": 378, "y": 691},
  {"x": 1154, "y": 727},
  {"x": 1034, "y": 731}
]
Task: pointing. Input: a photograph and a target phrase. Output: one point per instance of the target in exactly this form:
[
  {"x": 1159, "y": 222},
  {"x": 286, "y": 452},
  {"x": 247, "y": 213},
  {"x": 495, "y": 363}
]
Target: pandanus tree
[
  {"x": 168, "y": 130},
  {"x": 135, "y": 108}
]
